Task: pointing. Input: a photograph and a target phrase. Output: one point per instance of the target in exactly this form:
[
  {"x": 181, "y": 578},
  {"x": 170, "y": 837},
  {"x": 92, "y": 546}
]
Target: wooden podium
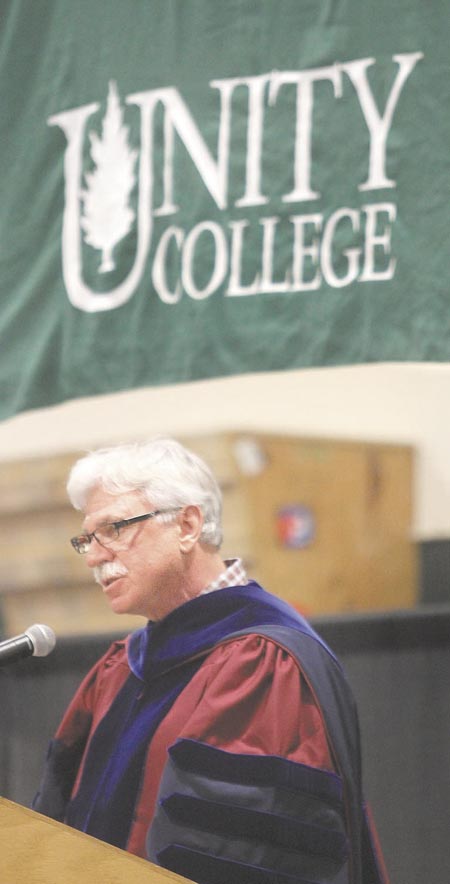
[{"x": 38, "y": 850}]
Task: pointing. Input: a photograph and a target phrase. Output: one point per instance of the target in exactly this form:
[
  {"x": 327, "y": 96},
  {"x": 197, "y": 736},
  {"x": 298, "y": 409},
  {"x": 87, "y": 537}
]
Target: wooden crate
[
  {"x": 329, "y": 522},
  {"x": 325, "y": 524}
]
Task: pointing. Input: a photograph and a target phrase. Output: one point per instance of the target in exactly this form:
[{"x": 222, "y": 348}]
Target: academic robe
[{"x": 221, "y": 743}]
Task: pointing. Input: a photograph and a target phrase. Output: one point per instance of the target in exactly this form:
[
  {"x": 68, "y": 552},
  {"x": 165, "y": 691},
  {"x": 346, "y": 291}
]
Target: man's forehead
[{"x": 102, "y": 506}]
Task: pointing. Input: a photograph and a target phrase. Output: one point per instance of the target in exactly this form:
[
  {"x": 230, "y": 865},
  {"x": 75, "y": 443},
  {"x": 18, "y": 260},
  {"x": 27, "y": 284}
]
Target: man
[{"x": 221, "y": 739}]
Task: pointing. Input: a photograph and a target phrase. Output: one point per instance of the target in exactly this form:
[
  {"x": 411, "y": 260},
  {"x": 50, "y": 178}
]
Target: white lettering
[
  {"x": 80, "y": 295},
  {"x": 235, "y": 286},
  {"x": 159, "y": 277},
  {"x": 220, "y": 260},
  {"x": 350, "y": 245},
  {"x": 317, "y": 254},
  {"x": 379, "y": 126},
  {"x": 383, "y": 240},
  {"x": 169, "y": 206},
  {"x": 255, "y": 129},
  {"x": 214, "y": 173},
  {"x": 302, "y": 251},
  {"x": 267, "y": 283},
  {"x": 351, "y": 255},
  {"x": 304, "y": 81}
]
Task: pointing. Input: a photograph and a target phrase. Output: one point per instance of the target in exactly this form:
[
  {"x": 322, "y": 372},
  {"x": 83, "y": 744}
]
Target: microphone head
[{"x": 42, "y": 638}]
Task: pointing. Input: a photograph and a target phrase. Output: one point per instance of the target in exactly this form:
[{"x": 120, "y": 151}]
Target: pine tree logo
[{"x": 107, "y": 216}]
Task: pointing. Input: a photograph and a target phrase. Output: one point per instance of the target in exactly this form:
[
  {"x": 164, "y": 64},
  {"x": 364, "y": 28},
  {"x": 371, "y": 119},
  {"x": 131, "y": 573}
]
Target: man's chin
[{"x": 120, "y": 605}]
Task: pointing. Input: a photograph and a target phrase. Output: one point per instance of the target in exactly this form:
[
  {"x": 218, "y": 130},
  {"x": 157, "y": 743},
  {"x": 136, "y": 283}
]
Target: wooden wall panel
[
  {"x": 353, "y": 551},
  {"x": 358, "y": 553}
]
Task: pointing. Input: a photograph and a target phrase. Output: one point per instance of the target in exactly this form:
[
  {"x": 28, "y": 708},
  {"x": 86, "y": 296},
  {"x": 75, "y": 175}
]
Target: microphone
[{"x": 38, "y": 640}]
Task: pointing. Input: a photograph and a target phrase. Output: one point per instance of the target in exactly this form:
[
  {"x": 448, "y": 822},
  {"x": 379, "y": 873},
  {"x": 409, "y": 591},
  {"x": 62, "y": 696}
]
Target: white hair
[{"x": 165, "y": 472}]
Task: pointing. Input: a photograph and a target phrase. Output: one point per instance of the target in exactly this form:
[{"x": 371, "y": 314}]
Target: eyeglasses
[{"x": 107, "y": 534}]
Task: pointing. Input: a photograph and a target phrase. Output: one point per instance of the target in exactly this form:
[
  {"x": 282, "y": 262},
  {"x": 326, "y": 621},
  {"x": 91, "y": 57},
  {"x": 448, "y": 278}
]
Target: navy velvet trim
[
  {"x": 104, "y": 803},
  {"x": 276, "y": 829},
  {"x": 58, "y": 777},
  {"x": 266, "y": 770},
  {"x": 206, "y": 869},
  {"x": 203, "y": 622}
]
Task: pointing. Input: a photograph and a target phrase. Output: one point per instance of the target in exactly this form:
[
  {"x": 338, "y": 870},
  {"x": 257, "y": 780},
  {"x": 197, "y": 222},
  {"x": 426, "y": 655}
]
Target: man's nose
[{"x": 97, "y": 554}]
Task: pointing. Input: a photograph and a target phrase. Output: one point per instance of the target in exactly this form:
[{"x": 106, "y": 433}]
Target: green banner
[{"x": 195, "y": 189}]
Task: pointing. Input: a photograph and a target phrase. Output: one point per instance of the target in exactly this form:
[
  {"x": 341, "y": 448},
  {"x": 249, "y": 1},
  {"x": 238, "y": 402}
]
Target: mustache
[{"x": 107, "y": 571}]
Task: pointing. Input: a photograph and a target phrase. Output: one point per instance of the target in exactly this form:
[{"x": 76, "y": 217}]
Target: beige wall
[{"x": 392, "y": 403}]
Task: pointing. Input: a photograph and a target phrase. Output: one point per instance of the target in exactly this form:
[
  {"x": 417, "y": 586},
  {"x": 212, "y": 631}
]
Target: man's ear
[{"x": 190, "y": 523}]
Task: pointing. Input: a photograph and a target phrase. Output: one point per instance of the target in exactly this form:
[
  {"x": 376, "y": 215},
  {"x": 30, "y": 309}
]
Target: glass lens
[
  {"x": 107, "y": 533},
  {"x": 81, "y": 543}
]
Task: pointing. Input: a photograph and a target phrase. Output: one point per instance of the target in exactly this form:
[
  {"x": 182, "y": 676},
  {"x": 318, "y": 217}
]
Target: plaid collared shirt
[{"x": 234, "y": 575}]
